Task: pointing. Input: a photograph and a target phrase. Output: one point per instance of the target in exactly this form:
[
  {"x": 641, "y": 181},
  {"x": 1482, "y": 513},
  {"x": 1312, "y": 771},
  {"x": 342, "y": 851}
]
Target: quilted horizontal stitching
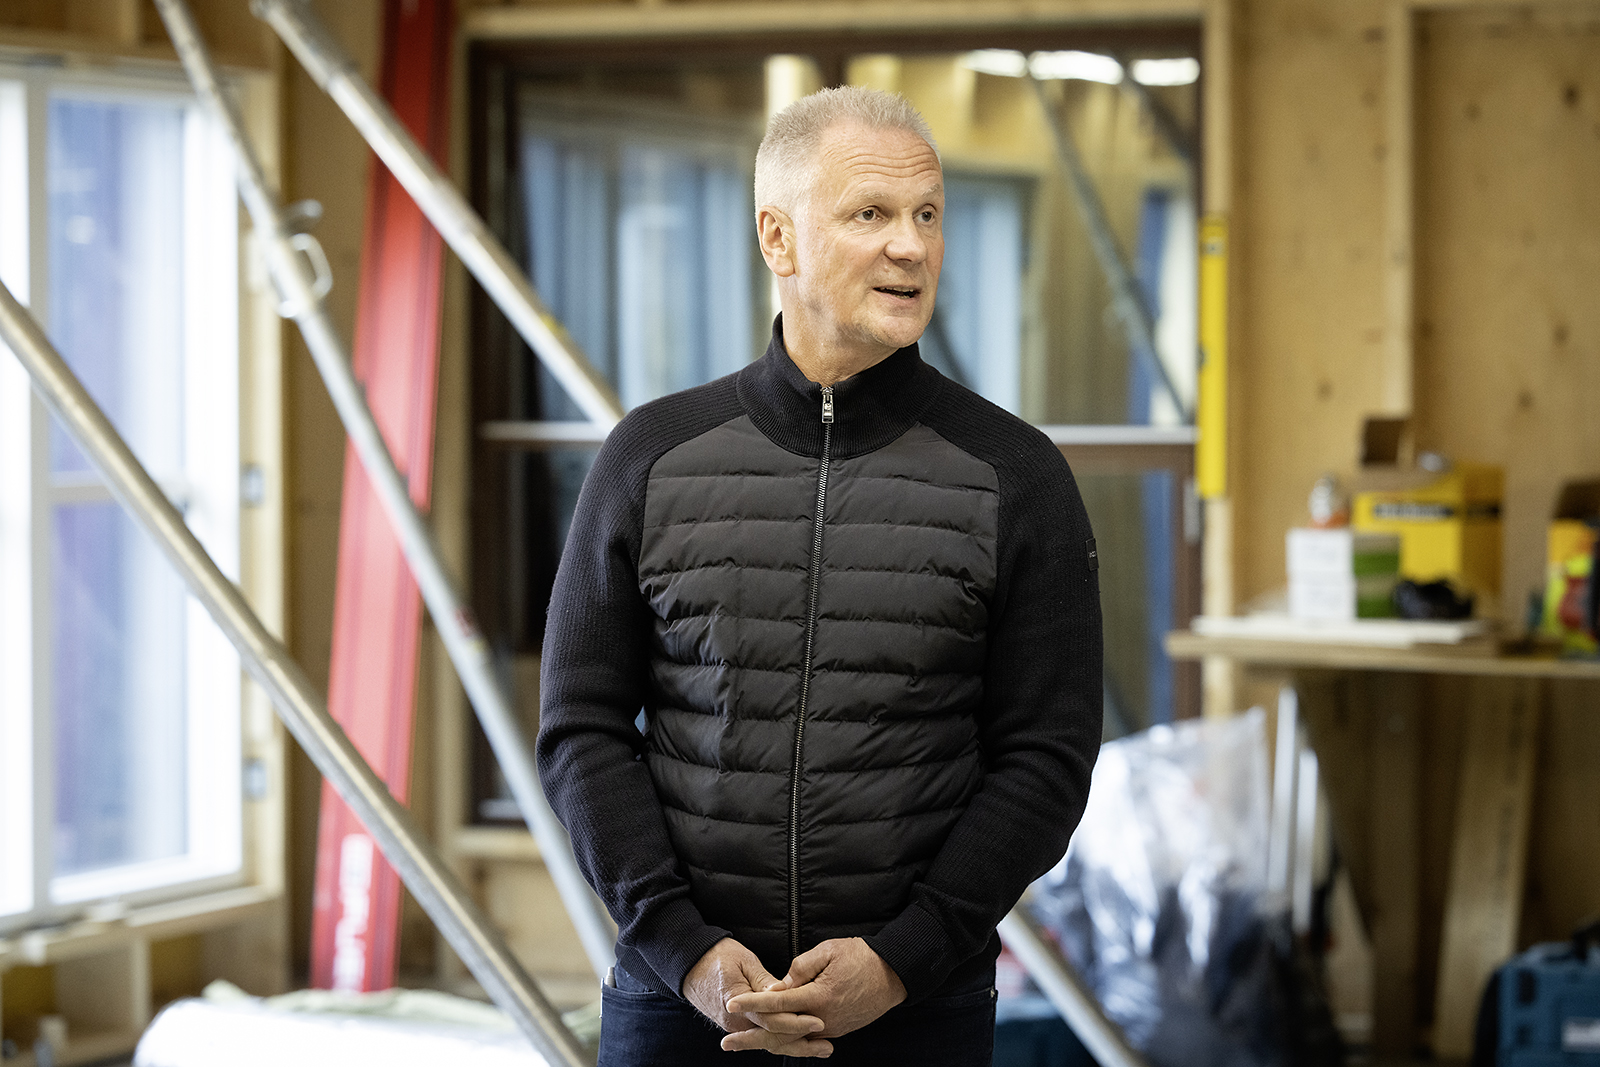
[
  {"x": 898, "y": 869},
  {"x": 823, "y": 618},
  {"x": 893, "y": 674},
  {"x": 782, "y": 771},
  {"x": 831, "y": 569},
  {"x": 719, "y": 818},
  {"x": 965, "y": 757},
  {"x": 729, "y": 615},
  {"x": 989, "y": 490},
  {"x": 897, "y": 818},
  {"x": 736, "y": 874},
  {"x": 904, "y": 622},
  {"x": 916, "y": 526},
  {"x": 754, "y": 475},
  {"x": 726, "y": 564},
  {"x": 828, "y": 670},
  {"x": 731, "y": 667},
  {"x": 793, "y": 519}
]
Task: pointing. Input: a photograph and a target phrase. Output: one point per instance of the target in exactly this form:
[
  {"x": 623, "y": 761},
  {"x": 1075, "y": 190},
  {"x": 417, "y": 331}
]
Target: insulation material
[{"x": 400, "y": 1028}]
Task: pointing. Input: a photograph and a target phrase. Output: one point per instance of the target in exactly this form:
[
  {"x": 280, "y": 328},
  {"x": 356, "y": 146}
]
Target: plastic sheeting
[
  {"x": 1161, "y": 903},
  {"x": 314, "y": 1028}
]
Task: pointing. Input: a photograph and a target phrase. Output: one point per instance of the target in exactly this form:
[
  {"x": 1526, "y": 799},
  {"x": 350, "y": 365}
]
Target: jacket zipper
[{"x": 813, "y": 579}]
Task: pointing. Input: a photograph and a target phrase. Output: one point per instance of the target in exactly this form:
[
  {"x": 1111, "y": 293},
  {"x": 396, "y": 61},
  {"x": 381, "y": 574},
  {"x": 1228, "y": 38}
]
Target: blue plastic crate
[{"x": 1550, "y": 1008}]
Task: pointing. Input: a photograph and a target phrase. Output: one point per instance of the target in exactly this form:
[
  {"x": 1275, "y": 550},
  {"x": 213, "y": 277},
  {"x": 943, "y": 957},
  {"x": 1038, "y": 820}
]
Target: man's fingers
[
  {"x": 806, "y": 966},
  {"x": 784, "y": 1022},
  {"x": 777, "y": 1044},
  {"x": 759, "y": 977},
  {"x": 768, "y": 1002}
]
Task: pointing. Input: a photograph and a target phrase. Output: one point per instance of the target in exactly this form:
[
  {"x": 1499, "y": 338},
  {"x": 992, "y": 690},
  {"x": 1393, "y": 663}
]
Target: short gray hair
[{"x": 788, "y": 153}]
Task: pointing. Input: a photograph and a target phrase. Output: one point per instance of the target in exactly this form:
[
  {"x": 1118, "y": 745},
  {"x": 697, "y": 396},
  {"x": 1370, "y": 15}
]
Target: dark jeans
[{"x": 640, "y": 1028}]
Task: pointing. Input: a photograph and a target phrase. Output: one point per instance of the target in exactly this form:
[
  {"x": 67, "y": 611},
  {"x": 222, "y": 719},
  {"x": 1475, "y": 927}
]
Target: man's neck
[{"x": 828, "y": 363}]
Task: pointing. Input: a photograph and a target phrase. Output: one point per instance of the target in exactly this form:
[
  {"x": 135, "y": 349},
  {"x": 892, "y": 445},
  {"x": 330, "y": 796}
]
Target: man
[{"x": 858, "y": 608}]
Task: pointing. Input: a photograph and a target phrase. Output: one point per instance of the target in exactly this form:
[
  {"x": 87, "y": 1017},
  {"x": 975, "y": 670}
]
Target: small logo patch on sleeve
[{"x": 1094, "y": 554}]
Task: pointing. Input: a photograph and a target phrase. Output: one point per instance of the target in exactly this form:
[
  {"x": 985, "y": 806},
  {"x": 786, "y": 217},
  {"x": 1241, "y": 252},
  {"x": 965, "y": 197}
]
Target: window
[
  {"x": 119, "y": 699},
  {"x": 975, "y": 335},
  {"x": 636, "y": 229}
]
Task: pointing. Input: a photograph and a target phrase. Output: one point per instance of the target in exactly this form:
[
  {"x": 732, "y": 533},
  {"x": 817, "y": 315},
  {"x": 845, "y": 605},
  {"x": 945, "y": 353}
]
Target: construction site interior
[{"x": 1257, "y": 267}]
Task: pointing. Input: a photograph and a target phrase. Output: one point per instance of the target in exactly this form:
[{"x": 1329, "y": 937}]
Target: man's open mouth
[{"x": 903, "y": 292}]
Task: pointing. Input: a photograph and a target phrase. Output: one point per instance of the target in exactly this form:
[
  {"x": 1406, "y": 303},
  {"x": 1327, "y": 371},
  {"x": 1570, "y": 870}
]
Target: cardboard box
[
  {"x": 1448, "y": 521},
  {"x": 1339, "y": 574}
]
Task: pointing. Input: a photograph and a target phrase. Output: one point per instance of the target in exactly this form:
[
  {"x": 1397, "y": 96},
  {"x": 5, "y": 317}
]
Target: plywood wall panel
[
  {"x": 1508, "y": 256},
  {"x": 229, "y": 28},
  {"x": 1308, "y": 335},
  {"x": 1508, "y": 251},
  {"x": 1564, "y": 870}
]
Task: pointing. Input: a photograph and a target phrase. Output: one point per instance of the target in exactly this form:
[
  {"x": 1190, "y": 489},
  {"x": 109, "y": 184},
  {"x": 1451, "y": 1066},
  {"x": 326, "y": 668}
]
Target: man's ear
[{"x": 775, "y": 232}]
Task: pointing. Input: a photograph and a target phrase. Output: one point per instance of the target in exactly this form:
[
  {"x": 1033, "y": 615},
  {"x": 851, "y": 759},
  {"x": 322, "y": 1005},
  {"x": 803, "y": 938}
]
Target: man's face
[{"x": 868, "y": 239}]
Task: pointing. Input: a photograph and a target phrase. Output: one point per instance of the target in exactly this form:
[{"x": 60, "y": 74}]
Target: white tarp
[{"x": 398, "y": 1028}]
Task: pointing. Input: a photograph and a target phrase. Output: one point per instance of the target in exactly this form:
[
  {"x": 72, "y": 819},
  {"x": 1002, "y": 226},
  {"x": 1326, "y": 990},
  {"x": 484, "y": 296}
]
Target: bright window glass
[
  {"x": 122, "y": 715},
  {"x": 118, "y": 682},
  {"x": 115, "y": 195},
  {"x": 115, "y": 246}
]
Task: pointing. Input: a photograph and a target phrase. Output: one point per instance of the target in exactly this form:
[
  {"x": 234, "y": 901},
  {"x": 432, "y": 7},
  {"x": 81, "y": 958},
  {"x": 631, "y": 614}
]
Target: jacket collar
[{"x": 871, "y": 409}]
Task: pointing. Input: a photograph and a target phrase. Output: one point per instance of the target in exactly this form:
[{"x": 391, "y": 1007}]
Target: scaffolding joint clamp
[{"x": 322, "y": 276}]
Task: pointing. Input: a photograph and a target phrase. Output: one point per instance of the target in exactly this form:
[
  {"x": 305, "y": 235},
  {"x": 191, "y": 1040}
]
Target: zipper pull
[{"x": 827, "y": 403}]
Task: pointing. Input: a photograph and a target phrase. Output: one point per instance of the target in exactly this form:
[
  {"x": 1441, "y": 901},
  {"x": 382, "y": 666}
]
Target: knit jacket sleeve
[
  {"x": 1040, "y": 728},
  {"x": 593, "y": 682}
]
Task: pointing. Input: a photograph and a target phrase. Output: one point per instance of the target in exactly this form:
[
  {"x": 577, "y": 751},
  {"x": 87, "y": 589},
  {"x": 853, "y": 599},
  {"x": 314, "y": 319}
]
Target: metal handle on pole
[
  {"x": 461, "y": 227},
  {"x": 298, "y": 285},
  {"x": 1066, "y": 991},
  {"x": 304, "y": 713}
]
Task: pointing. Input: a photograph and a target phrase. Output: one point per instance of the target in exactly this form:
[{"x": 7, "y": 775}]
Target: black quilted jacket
[{"x": 863, "y": 625}]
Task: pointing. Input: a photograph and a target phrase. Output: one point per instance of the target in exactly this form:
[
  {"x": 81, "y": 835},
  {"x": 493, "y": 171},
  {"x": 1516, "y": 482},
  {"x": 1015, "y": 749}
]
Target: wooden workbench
[{"x": 1463, "y": 783}]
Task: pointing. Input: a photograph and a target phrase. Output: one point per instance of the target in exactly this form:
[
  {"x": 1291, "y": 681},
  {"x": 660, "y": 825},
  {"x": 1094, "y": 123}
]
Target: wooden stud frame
[
  {"x": 1400, "y": 190},
  {"x": 1488, "y": 864},
  {"x": 761, "y": 17}
]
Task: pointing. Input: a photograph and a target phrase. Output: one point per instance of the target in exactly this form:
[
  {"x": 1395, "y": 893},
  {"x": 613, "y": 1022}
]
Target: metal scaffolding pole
[
  {"x": 299, "y": 269},
  {"x": 302, "y": 710},
  {"x": 1161, "y": 116},
  {"x": 1037, "y": 953},
  {"x": 1126, "y": 297},
  {"x": 461, "y": 227}
]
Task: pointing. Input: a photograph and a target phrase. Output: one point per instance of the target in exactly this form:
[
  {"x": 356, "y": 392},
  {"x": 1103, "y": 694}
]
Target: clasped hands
[{"x": 839, "y": 986}]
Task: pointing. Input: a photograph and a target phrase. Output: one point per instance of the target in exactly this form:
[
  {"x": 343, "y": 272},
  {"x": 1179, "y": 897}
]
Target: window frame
[{"x": 207, "y": 490}]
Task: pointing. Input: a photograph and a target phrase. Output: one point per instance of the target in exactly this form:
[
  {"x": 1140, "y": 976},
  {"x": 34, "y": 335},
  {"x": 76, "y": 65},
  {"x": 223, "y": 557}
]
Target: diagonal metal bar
[
  {"x": 1066, "y": 991},
  {"x": 1126, "y": 297},
  {"x": 289, "y": 258},
  {"x": 461, "y": 227},
  {"x": 302, "y": 710},
  {"x": 1166, "y": 123}
]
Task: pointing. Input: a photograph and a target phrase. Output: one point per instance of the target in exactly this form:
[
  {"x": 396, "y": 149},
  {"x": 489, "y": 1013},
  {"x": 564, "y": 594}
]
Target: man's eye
[
  {"x": 867, "y": 214},
  {"x": 926, "y": 216}
]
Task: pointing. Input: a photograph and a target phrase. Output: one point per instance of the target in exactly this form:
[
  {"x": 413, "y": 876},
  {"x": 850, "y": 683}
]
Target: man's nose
[{"x": 907, "y": 242}]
